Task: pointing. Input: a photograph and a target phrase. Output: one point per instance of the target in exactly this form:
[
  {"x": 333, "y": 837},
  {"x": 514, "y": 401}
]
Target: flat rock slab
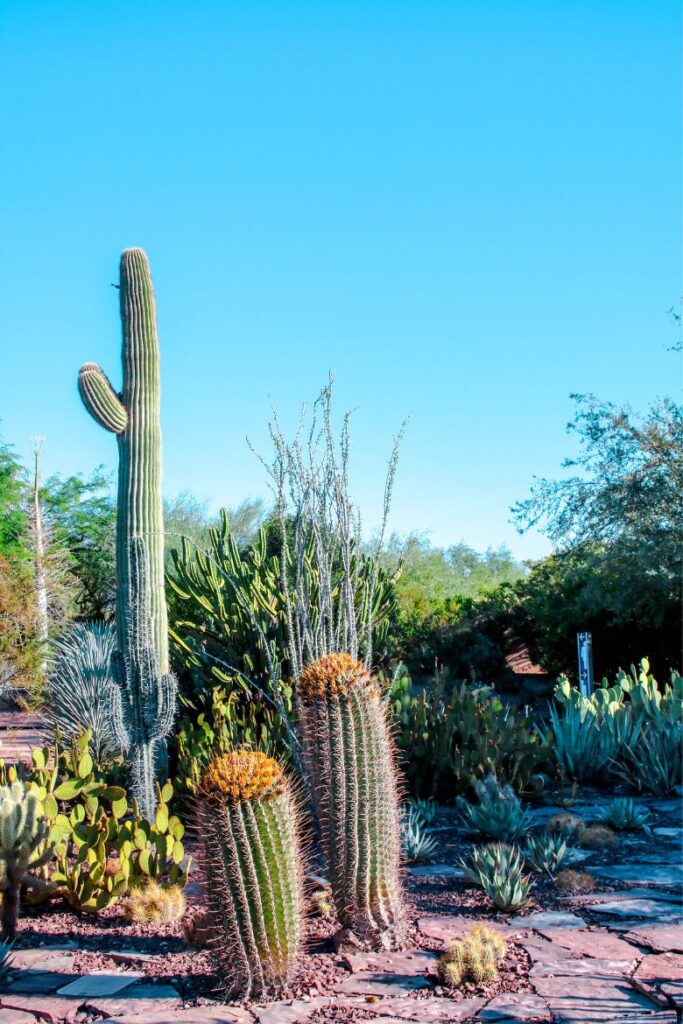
[
  {"x": 516, "y": 1006},
  {"x": 652, "y": 874},
  {"x": 660, "y": 968},
  {"x": 140, "y": 998},
  {"x": 568, "y": 967},
  {"x": 446, "y": 927},
  {"x": 596, "y": 943},
  {"x": 414, "y": 961},
  {"x": 291, "y": 1012},
  {"x": 636, "y": 893},
  {"x": 669, "y": 833},
  {"x": 53, "y": 1009},
  {"x": 36, "y": 982},
  {"x": 193, "y": 1015},
  {"x": 659, "y": 938},
  {"x": 542, "y": 951},
  {"x": 652, "y": 909},
  {"x": 377, "y": 983},
  {"x": 16, "y": 1017},
  {"x": 437, "y": 871},
  {"x": 42, "y": 959},
  {"x": 588, "y": 1000},
  {"x": 432, "y": 1009},
  {"x": 99, "y": 983},
  {"x": 547, "y": 919}
]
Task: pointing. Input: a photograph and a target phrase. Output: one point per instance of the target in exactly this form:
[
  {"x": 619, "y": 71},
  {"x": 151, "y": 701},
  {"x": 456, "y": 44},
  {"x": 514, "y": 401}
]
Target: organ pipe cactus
[
  {"x": 22, "y": 830},
  {"x": 133, "y": 415},
  {"x": 349, "y": 759},
  {"x": 248, "y": 828}
]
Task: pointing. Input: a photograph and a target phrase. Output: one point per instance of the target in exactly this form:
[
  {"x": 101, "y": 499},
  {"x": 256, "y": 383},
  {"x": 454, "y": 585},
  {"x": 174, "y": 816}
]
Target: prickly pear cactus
[
  {"x": 248, "y": 829},
  {"x": 349, "y": 759}
]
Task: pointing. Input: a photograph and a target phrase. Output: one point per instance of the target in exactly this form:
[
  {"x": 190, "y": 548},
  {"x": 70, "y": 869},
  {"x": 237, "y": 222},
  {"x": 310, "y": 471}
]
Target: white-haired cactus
[
  {"x": 247, "y": 819},
  {"x": 22, "y": 831},
  {"x": 133, "y": 416},
  {"x": 349, "y": 759}
]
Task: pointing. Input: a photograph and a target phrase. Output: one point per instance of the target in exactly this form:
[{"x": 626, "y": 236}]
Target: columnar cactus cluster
[
  {"x": 349, "y": 759},
  {"x": 141, "y": 617},
  {"x": 22, "y": 830},
  {"x": 247, "y": 819}
]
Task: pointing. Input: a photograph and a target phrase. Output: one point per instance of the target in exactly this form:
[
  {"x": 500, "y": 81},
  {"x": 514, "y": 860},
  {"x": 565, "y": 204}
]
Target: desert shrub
[
  {"x": 455, "y": 734},
  {"x": 474, "y": 958},
  {"x": 498, "y": 812},
  {"x": 545, "y": 853},
  {"x": 575, "y": 881},
  {"x": 498, "y": 869}
]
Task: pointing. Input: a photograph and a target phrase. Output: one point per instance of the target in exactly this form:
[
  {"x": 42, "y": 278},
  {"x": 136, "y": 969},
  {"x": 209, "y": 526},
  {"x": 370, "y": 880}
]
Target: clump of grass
[
  {"x": 153, "y": 903},
  {"x": 473, "y": 958},
  {"x": 575, "y": 881},
  {"x": 598, "y": 837},
  {"x": 566, "y": 825}
]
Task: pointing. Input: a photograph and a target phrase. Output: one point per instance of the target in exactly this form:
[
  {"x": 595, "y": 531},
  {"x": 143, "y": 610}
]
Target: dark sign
[{"x": 584, "y": 643}]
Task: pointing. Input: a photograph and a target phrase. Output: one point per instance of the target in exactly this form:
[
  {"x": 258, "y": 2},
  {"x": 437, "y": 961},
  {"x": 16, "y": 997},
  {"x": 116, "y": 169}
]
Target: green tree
[
  {"x": 14, "y": 522},
  {"x": 617, "y": 523}
]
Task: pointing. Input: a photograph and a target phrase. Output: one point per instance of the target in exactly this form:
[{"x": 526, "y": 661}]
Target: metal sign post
[{"x": 584, "y": 644}]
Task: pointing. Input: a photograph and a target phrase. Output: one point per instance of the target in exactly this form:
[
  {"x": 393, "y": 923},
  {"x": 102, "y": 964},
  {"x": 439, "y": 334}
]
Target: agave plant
[
  {"x": 498, "y": 869},
  {"x": 79, "y": 685},
  {"x": 425, "y": 810},
  {"x": 416, "y": 844},
  {"x": 653, "y": 764},
  {"x": 498, "y": 812},
  {"x": 545, "y": 852},
  {"x": 625, "y": 815},
  {"x": 582, "y": 748},
  {"x": 5, "y": 960}
]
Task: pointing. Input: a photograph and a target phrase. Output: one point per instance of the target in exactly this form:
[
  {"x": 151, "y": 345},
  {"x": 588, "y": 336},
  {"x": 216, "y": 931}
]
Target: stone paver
[
  {"x": 433, "y": 1009},
  {"x": 585, "y": 1000},
  {"x": 591, "y": 967},
  {"x": 99, "y": 983},
  {"x": 540, "y": 950},
  {"x": 42, "y": 959},
  {"x": 437, "y": 871},
  {"x": 290, "y": 1012},
  {"x": 193, "y": 1015},
  {"x": 653, "y": 910},
  {"x": 653, "y": 874},
  {"x": 659, "y": 938},
  {"x": 543, "y": 919},
  {"x": 53, "y": 1009},
  {"x": 517, "y": 1006},
  {"x": 142, "y": 997},
  {"x": 16, "y": 1017},
  {"x": 446, "y": 927},
  {"x": 37, "y": 982},
  {"x": 598, "y": 944}
]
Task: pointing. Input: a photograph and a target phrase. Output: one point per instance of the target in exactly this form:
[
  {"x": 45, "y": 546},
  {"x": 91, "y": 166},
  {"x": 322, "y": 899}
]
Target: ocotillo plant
[
  {"x": 349, "y": 759},
  {"x": 133, "y": 416},
  {"x": 247, "y": 820},
  {"x": 21, "y": 833}
]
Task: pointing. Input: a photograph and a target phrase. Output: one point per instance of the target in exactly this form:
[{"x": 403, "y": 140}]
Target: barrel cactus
[
  {"x": 22, "y": 831},
  {"x": 349, "y": 760},
  {"x": 247, "y": 818},
  {"x": 133, "y": 416}
]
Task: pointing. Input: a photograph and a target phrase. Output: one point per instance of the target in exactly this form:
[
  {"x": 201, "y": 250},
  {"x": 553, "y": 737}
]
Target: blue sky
[{"x": 467, "y": 210}]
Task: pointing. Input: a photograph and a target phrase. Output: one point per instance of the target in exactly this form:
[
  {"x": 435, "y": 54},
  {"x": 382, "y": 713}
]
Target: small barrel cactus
[
  {"x": 349, "y": 760},
  {"x": 247, "y": 818},
  {"x": 22, "y": 831},
  {"x": 473, "y": 958}
]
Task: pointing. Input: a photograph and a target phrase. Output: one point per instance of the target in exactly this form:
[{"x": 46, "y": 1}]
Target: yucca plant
[
  {"x": 498, "y": 869},
  {"x": 248, "y": 829},
  {"x": 417, "y": 845},
  {"x": 545, "y": 852},
  {"x": 349, "y": 760},
  {"x": 22, "y": 830},
  {"x": 625, "y": 815},
  {"x": 78, "y": 691},
  {"x": 473, "y": 958},
  {"x": 498, "y": 812}
]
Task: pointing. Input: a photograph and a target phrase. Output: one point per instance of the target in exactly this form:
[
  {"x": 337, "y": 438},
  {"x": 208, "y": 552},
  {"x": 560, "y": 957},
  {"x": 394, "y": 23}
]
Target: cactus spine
[
  {"x": 350, "y": 763},
  {"x": 247, "y": 821},
  {"x": 22, "y": 831},
  {"x": 134, "y": 417}
]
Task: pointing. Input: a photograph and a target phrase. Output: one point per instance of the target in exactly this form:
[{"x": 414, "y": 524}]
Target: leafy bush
[
  {"x": 455, "y": 735},
  {"x": 417, "y": 846},
  {"x": 625, "y": 815},
  {"x": 498, "y": 869},
  {"x": 545, "y": 853},
  {"x": 498, "y": 812},
  {"x": 473, "y": 958}
]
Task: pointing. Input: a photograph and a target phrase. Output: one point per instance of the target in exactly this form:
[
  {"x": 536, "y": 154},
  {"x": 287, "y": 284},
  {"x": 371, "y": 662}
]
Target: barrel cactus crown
[
  {"x": 133, "y": 416},
  {"x": 248, "y": 828},
  {"x": 350, "y": 765}
]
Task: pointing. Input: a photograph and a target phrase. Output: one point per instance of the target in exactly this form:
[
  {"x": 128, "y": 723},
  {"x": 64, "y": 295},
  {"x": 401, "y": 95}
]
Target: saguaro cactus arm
[{"x": 100, "y": 399}]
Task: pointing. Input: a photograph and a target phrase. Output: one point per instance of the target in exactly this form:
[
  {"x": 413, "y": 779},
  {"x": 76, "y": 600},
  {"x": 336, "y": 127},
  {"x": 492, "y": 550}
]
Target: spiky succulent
[
  {"x": 498, "y": 813},
  {"x": 5, "y": 960},
  {"x": 22, "y": 830},
  {"x": 473, "y": 958},
  {"x": 77, "y": 695},
  {"x": 154, "y": 903},
  {"x": 417, "y": 845},
  {"x": 498, "y": 869},
  {"x": 247, "y": 819},
  {"x": 545, "y": 852},
  {"x": 425, "y": 810},
  {"x": 349, "y": 760},
  {"x": 625, "y": 815}
]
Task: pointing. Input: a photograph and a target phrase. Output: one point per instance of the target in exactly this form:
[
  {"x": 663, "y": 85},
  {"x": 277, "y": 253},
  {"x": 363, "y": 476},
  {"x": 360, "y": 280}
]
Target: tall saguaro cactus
[{"x": 133, "y": 415}]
